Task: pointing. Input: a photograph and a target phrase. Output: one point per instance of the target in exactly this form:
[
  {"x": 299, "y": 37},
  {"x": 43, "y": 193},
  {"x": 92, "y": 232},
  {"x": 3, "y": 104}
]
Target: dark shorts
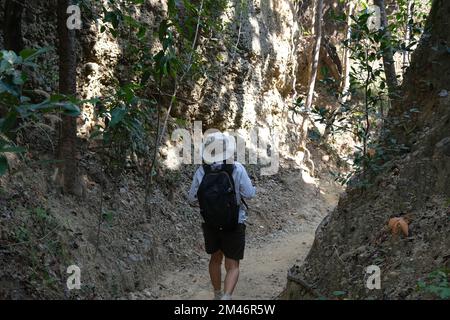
[{"x": 231, "y": 243}]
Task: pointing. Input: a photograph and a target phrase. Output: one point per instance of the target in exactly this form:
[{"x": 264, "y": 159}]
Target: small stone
[
  {"x": 135, "y": 258},
  {"x": 443, "y": 93},
  {"x": 444, "y": 146}
]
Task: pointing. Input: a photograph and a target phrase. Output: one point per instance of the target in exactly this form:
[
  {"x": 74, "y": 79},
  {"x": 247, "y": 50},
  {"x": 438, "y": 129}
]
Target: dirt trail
[
  {"x": 263, "y": 271},
  {"x": 267, "y": 258}
]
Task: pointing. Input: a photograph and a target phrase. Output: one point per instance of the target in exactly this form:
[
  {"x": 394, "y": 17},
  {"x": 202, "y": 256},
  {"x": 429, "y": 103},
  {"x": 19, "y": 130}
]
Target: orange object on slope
[{"x": 398, "y": 224}]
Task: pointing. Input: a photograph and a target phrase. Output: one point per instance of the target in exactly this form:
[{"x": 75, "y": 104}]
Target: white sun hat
[{"x": 218, "y": 147}]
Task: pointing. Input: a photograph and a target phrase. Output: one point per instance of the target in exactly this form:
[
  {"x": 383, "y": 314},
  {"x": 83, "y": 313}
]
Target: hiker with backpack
[{"x": 219, "y": 187}]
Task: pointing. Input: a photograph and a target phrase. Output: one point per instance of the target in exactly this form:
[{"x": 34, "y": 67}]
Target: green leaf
[
  {"x": 33, "y": 107},
  {"x": 7, "y": 88},
  {"x": 27, "y": 52},
  {"x": 30, "y": 54},
  {"x": 117, "y": 114},
  {"x": 113, "y": 17},
  {"x": 130, "y": 21},
  {"x": 71, "y": 109},
  {"x": 93, "y": 101},
  {"x": 172, "y": 8},
  {"x": 96, "y": 133},
  {"x": 447, "y": 202},
  {"x": 56, "y": 97},
  {"x": 18, "y": 78},
  {"x": 181, "y": 122},
  {"x": 108, "y": 216},
  {"x": 106, "y": 137},
  {"x": 13, "y": 149},
  {"x": 68, "y": 108},
  {"x": 9, "y": 58},
  {"x": 164, "y": 25},
  {"x": 339, "y": 293},
  {"x": 141, "y": 33},
  {"x": 128, "y": 93},
  {"x": 24, "y": 99},
  {"x": 114, "y": 32},
  {"x": 145, "y": 76}
]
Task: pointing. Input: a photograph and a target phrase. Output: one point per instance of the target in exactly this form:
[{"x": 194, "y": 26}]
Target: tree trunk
[
  {"x": 345, "y": 82},
  {"x": 388, "y": 55},
  {"x": 407, "y": 39},
  {"x": 317, "y": 23},
  {"x": 67, "y": 85},
  {"x": 346, "y": 60},
  {"x": 12, "y": 26}
]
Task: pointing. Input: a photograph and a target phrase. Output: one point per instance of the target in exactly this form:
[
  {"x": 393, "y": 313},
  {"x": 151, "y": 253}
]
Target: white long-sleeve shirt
[{"x": 243, "y": 186}]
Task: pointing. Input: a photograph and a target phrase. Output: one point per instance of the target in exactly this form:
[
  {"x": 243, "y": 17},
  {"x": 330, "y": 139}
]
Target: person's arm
[
  {"x": 192, "y": 195},
  {"x": 246, "y": 189}
]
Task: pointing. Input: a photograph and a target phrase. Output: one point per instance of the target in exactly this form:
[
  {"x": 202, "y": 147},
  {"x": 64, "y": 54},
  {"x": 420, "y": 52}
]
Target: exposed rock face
[
  {"x": 415, "y": 185},
  {"x": 261, "y": 72},
  {"x": 266, "y": 70}
]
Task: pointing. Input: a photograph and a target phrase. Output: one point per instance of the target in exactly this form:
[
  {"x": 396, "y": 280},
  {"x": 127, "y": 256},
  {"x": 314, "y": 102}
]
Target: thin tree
[
  {"x": 317, "y": 25},
  {"x": 409, "y": 14},
  {"x": 345, "y": 84},
  {"x": 68, "y": 86},
  {"x": 345, "y": 79},
  {"x": 388, "y": 54}
]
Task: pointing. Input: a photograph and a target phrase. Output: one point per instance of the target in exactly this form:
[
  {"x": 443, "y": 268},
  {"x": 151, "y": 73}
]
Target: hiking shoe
[
  {"x": 226, "y": 296},
  {"x": 218, "y": 294}
]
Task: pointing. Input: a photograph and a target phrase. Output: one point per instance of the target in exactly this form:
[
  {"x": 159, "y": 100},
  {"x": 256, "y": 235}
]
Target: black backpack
[{"x": 217, "y": 197}]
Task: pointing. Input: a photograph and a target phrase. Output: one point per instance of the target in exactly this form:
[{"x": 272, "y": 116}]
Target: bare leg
[
  {"x": 232, "y": 268},
  {"x": 215, "y": 265}
]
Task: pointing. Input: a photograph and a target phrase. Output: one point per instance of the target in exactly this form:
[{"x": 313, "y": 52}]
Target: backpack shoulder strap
[
  {"x": 245, "y": 203},
  {"x": 229, "y": 168},
  {"x": 206, "y": 168}
]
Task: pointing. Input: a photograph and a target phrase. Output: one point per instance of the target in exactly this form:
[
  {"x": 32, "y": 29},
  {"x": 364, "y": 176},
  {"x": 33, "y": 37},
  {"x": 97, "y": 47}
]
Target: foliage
[
  {"x": 414, "y": 23},
  {"x": 360, "y": 116},
  {"x": 15, "y": 102},
  {"x": 363, "y": 116},
  {"x": 128, "y": 125},
  {"x": 180, "y": 35},
  {"x": 436, "y": 283},
  {"x": 108, "y": 216},
  {"x": 185, "y": 20},
  {"x": 339, "y": 294},
  {"x": 131, "y": 112}
]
